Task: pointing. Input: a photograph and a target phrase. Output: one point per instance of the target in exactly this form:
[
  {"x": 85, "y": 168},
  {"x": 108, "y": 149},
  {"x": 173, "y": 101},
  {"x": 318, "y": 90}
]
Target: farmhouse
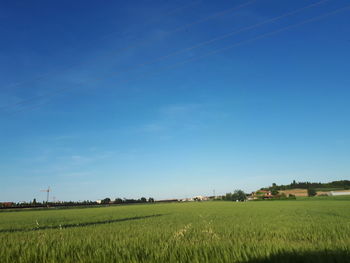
[
  {"x": 6, "y": 204},
  {"x": 261, "y": 194}
]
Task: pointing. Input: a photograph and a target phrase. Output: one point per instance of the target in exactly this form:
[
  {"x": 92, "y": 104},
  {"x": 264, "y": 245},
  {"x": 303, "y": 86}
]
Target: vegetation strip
[
  {"x": 78, "y": 225},
  {"x": 312, "y": 230}
]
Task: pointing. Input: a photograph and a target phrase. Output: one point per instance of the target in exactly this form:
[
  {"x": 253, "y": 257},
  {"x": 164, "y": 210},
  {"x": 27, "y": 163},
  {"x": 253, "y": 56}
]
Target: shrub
[
  {"x": 291, "y": 196},
  {"x": 311, "y": 192}
]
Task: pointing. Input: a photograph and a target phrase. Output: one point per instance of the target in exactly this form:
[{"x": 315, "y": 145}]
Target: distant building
[
  {"x": 336, "y": 193},
  {"x": 250, "y": 198},
  {"x": 261, "y": 194},
  {"x": 187, "y": 200},
  {"x": 201, "y": 198},
  {"x": 6, "y": 204}
]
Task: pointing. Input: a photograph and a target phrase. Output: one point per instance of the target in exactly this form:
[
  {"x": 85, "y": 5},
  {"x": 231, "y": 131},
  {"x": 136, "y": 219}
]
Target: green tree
[
  {"x": 143, "y": 200},
  {"x": 283, "y": 196},
  {"x": 118, "y": 201},
  {"x": 150, "y": 200},
  {"x": 238, "y": 195},
  {"x": 291, "y": 196},
  {"x": 228, "y": 197},
  {"x": 274, "y": 192},
  {"x": 106, "y": 200},
  {"x": 311, "y": 192}
]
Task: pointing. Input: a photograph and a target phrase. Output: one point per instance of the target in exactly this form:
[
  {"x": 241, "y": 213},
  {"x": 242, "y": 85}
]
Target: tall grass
[{"x": 280, "y": 231}]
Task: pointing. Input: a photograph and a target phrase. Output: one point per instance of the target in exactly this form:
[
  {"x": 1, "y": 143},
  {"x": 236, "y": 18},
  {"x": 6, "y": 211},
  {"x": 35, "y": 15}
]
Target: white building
[
  {"x": 201, "y": 198},
  {"x": 333, "y": 193}
]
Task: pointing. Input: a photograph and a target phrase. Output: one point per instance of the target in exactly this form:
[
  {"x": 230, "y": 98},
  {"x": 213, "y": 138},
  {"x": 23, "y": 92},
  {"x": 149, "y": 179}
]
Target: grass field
[{"x": 305, "y": 230}]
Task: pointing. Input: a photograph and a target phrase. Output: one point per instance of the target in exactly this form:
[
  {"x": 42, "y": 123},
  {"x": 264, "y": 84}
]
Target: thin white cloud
[
  {"x": 76, "y": 174},
  {"x": 180, "y": 109},
  {"x": 174, "y": 117},
  {"x": 153, "y": 127}
]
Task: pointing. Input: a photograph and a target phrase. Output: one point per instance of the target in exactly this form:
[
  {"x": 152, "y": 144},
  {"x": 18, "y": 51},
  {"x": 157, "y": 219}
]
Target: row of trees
[
  {"x": 107, "y": 200},
  {"x": 343, "y": 184},
  {"x": 127, "y": 201},
  {"x": 35, "y": 203},
  {"x": 237, "y": 195}
]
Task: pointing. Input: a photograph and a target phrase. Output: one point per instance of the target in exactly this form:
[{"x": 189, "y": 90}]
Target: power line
[
  {"x": 173, "y": 11},
  {"x": 240, "y": 43},
  {"x": 230, "y": 34},
  {"x": 144, "y": 41},
  {"x": 212, "y": 40}
]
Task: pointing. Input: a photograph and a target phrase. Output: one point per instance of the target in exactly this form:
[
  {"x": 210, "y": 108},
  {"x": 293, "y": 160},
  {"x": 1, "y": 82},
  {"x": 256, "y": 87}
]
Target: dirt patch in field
[
  {"x": 303, "y": 192},
  {"x": 296, "y": 192}
]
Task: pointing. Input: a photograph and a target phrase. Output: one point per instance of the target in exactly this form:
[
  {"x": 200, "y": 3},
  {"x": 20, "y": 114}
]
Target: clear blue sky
[{"x": 81, "y": 114}]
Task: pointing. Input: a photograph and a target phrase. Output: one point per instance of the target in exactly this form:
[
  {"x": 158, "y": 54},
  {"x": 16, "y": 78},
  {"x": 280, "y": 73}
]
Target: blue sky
[{"x": 84, "y": 110}]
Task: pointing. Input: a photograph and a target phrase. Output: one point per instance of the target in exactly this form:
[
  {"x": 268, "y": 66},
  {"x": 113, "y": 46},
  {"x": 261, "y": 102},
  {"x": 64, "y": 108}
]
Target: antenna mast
[{"x": 48, "y": 190}]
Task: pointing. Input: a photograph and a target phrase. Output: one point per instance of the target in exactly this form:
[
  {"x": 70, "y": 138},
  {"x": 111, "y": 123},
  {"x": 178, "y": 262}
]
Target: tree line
[
  {"x": 127, "y": 201},
  {"x": 343, "y": 184},
  {"x": 237, "y": 195},
  {"x": 105, "y": 201}
]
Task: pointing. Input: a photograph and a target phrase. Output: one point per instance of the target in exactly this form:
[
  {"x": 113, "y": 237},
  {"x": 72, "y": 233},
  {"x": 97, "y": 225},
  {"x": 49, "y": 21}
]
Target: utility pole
[{"x": 48, "y": 190}]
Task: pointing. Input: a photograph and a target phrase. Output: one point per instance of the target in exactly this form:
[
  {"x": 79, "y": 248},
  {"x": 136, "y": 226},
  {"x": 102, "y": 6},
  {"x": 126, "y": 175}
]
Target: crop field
[{"x": 305, "y": 230}]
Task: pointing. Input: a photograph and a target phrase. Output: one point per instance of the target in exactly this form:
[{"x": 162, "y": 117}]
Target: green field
[{"x": 306, "y": 230}]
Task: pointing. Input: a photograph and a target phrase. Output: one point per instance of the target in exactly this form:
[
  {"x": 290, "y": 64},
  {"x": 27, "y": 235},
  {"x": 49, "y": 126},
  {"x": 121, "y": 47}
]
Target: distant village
[
  {"x": 274, "y": 192},
  {"x": 264, "y": 195}
]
